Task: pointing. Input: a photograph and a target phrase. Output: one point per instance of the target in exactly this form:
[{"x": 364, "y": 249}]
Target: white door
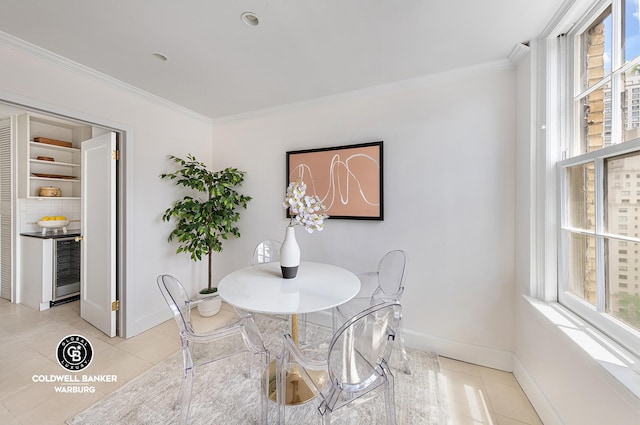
[{"x": 98, "y": 274}]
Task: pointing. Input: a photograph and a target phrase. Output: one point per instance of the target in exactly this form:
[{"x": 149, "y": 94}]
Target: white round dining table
[{"x": 262, "y": 289}]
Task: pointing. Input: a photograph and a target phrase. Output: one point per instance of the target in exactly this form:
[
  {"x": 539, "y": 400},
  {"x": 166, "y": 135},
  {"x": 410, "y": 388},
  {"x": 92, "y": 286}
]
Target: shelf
[
  {"x": 48, "y": 198},
  {"x": 57, "y": 163},
  {"x": 52, "y": 147},
  {"x": 60, "y": 166},
  {"x": 76, "y": 180}
]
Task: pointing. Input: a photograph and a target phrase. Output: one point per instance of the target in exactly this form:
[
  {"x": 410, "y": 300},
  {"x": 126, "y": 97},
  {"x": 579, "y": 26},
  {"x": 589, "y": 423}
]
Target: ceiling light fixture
[
  {"x": 250, "y": 19},
  {"x": 159, "y": 56}
]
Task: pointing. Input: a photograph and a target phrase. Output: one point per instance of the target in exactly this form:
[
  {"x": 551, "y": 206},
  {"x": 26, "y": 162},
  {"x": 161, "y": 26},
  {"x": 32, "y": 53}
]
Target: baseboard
[
  {"x": 145, "y": 323},
  {"x": 470, "y": 353},
  {"x": 544, "y": 409},
  {"x": 476, "y": 354}
]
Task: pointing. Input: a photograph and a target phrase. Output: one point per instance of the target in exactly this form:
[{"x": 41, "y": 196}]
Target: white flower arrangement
[{"x": 305, "y": 210}]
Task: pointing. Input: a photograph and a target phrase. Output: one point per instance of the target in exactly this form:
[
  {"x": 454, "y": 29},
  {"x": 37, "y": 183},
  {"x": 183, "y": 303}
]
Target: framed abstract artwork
[{"x": 347, "y": 179}]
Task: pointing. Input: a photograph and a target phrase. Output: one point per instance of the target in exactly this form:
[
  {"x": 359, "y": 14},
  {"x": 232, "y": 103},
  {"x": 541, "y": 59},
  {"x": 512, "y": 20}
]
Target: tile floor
[{"x": 476, "y": 395}]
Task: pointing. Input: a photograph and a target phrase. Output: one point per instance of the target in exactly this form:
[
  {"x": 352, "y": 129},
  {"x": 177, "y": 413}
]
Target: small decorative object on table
[{"x": 308, "y": 211}]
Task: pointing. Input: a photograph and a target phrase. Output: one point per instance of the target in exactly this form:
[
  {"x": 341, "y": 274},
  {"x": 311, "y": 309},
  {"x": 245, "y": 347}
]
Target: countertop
[{"x": 51, "y": 235}]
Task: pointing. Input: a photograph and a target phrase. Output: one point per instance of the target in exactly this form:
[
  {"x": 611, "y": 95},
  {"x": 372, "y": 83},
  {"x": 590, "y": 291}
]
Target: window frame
[
  {"x": 616, "y": 329},
  {"x": 572, "y": 92}
]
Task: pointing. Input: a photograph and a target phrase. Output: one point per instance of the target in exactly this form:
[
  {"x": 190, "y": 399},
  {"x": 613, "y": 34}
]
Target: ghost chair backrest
[
  {"x": 267, "y": 251},
  {"x": 392, "y": 273}
]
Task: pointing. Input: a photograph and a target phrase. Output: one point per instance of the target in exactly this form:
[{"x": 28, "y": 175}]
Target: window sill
[{"x": 615, "y": 361}]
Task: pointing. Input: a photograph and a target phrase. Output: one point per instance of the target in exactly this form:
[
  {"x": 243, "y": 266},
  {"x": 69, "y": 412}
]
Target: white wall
[
  {"x": 448, "y": 195},
  {"x": 154, "y": 130},
  {"x": 32, "y": 210}
]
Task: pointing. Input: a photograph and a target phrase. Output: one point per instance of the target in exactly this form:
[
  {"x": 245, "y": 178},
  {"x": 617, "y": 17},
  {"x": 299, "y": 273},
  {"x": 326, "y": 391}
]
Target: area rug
[{"x": 224, "y": 394}]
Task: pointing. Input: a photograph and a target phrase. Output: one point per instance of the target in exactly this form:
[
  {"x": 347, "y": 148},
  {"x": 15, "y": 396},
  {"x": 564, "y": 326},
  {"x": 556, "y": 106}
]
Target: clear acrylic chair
[
  {"x": 356, "y": 364},
  {"x": 384, "y": 285},
  {"x": 202, "y": 348},
  {"x": 267, "y": 251}
]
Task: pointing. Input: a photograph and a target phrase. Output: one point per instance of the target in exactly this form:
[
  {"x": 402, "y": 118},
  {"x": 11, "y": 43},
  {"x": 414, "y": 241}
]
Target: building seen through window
[{"x": 599, "y": 267}]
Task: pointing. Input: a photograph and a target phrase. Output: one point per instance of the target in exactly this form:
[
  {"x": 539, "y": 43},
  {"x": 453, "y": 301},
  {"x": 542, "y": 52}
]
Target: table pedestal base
[{"x": 298, "y": 391}]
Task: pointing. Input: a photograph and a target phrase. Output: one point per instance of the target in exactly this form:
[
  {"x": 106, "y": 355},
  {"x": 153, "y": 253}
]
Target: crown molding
[
  {"x": 519, "y": 51},
  {"x": 25, "y": 47},
  {"x": 567, "y": 15}
]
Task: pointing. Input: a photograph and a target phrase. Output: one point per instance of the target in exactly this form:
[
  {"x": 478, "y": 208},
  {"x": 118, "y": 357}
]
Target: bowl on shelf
[
  {"x": 53, "y": 224},
  {"x": 49, "y": 191}
]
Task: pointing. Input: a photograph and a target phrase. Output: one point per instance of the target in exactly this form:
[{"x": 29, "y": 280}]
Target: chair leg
[
  {"x": 185, "y": 395},
  {"x": 338, "y": 319},
  {"x": 282, "y": 363},
  {"x": 403, "y": 352},
  {"x": 264, "y": 388},
  {"x": 389, "y": 400},
  {"x": 333, "y": 320}
]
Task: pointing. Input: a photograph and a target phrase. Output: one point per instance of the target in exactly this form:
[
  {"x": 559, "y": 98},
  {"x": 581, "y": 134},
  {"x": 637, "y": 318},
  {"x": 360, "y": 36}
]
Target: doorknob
[{"x": 78, "y": 238}]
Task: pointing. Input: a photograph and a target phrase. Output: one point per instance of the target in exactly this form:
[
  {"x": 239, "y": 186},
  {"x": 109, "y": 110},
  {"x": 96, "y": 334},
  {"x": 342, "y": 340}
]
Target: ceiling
[{"x": 302, "y": 49}]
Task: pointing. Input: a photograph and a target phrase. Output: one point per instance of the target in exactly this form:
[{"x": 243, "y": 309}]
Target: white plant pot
[{"x": 209, "y": 307}]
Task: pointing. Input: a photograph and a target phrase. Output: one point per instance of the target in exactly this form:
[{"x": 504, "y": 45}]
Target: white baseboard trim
[
  {"x": 544, "y": 409},
  {"x": 476, "y": 354},
  {"x": 145, "y": 323},
  {"x": 471, "y": 353}
]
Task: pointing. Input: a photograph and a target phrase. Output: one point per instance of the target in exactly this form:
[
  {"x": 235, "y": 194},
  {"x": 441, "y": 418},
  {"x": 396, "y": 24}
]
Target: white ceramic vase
[
  {"x": 289, "y": 254},
  {"x": 209, "y": 307}
]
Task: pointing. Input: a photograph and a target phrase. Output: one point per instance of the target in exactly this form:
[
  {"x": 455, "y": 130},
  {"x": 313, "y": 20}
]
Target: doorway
[{"x": 11, "y": 269}]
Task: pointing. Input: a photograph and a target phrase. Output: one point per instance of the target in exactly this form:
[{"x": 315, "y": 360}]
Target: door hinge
[
  {"x": 115, "y": 155},
  {"x": 115, "y": 306}
]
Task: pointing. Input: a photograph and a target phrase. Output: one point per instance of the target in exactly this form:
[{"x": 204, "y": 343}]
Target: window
[{"x": 602, "y": 158}]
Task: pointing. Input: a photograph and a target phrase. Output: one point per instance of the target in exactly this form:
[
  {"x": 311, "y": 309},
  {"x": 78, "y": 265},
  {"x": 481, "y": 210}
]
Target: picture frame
[{"x": 347, "y": 179}]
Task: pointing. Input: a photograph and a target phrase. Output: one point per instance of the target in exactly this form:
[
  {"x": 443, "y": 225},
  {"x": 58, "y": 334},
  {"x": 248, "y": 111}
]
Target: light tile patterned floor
[
  {"x": 480, "y": 395},
  {"x": 477, "y": 395}
]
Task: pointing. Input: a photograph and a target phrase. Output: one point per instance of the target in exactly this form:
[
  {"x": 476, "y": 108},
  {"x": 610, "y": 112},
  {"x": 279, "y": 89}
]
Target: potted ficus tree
[{"x": 204, "y": 220}]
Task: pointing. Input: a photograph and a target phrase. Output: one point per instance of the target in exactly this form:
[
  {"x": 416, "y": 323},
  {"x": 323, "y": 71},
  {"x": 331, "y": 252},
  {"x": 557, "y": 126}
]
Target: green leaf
[{"x": 201, "y": 223}]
